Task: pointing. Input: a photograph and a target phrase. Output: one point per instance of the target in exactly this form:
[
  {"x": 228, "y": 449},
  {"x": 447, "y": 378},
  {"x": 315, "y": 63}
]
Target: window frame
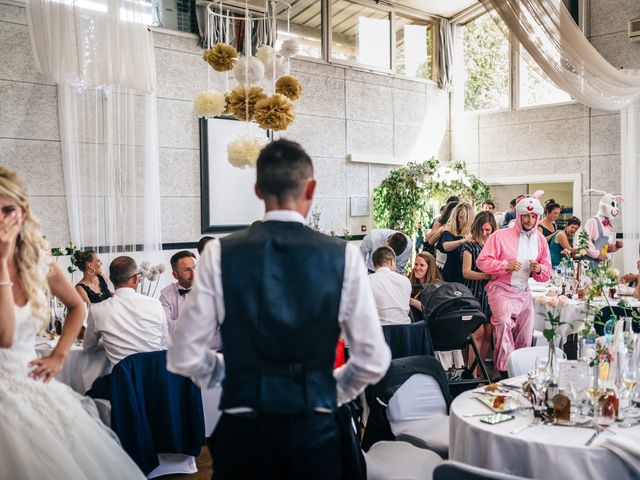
[{"x": 434, "y": 38}]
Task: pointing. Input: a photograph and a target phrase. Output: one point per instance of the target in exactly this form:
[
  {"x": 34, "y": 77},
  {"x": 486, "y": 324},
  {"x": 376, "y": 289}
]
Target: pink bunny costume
[{"x": 508, "y": 292}]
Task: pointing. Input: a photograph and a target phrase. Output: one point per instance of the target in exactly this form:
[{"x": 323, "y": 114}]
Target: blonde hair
[
  {"x": 461, "y": 229},
  {"x": 31, "y": 255},
  {"x": 432, "y": 275}
]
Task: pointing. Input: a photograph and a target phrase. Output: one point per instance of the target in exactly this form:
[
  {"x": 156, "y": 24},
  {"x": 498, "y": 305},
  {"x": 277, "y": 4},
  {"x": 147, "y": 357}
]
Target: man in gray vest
[{"x": 281, "y": 294}]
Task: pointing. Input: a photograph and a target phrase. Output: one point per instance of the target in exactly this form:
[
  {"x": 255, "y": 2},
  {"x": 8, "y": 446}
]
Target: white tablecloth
[
  {"x": 541, "y": 452},
  {"x": 80, "y": 368}
]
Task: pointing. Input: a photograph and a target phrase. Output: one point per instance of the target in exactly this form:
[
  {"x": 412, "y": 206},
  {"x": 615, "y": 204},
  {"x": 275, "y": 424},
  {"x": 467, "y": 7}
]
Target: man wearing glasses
[{"x": 128, "y": 322}]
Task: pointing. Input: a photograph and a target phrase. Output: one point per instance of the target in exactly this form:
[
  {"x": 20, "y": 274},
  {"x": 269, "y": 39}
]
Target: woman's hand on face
[{"x": 9, "y": 230}]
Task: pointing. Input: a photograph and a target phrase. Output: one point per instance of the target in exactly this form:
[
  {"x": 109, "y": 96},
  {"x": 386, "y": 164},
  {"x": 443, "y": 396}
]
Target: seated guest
[
  {"x": 631, "y": 278},
  {"x": 128, "y": 322},
  {"x": 455, "y": 234},
  {"x": 391, "y": 290},
  {"x": 398, "y": 241},
  {"x": 202, "y": 242},
  {"x": 92, "y": 287},
  {"x": 562, "y": 240},
  {"x": 488, "y": 206},
  {"x": 482, "y": 227},
  {"x": 183, "y": 266},
  {"x": 424, "y": 272}
]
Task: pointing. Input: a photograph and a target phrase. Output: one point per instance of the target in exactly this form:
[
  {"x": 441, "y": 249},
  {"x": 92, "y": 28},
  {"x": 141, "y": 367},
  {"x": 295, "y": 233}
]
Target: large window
[
  {"x": 486, "y": 65},
  {"x": 305, "y": 25},
  {"x": 360, "y": 34},
  {"x": 414, "y": 47},
  {"x": 534, "y": 87}
]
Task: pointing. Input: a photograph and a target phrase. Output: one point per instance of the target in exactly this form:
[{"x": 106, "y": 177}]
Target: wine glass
[{"x": 540, "y": 382}]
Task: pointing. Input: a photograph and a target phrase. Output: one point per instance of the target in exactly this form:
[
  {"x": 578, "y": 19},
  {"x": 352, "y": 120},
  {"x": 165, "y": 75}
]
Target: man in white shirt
[
  {"x": 183, "y": 266},
  {"x": 398, "y": 241},
  {"x": 128, "y": 322},
  {"x": 281, "y": 293},
  {"x": 391, "y": 290}
]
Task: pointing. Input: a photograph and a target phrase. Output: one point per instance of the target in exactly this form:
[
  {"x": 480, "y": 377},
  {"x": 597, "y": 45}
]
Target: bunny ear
[
  {"x": 597, "y": 192},
  {"x": 538, "y": 193},
  {"x": 619, "y": 198}
]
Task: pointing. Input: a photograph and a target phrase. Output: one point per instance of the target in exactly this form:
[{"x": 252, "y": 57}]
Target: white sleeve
[
  {"x": 90, "y": 341},
  {"x": 369, "y": 355},
  {"x": 203, "y": 310}
]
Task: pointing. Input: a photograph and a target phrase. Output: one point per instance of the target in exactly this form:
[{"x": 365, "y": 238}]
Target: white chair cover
[
  {"x": 523, "y": 360},
  {"x": 400, "y": 461},
  {"x": 451, "y": 470}
]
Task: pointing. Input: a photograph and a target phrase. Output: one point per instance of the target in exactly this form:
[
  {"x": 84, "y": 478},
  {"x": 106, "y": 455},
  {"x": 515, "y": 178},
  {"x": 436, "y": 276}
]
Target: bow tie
[
  {"x": 183, "y": 291},
  {"x": 606, "y": 223}
]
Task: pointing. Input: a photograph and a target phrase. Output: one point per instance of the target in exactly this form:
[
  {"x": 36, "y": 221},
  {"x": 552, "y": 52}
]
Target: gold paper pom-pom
[
  {"x": 242, "y": 99},
  {"x": 222, "y": 57},
  {"x": 244, "y": 151},
  {"x": 289, "y": 86},
  {"x": 226, "y": 104},
  {"x": 275, "y": 112}
]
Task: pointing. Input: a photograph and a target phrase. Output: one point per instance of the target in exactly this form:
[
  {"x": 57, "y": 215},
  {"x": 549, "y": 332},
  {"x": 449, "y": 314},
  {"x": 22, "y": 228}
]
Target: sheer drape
[
  {"x": 547, "y": 31},
  {"x": 444, "y": 55},
  {"x": 101, "y": 55}
]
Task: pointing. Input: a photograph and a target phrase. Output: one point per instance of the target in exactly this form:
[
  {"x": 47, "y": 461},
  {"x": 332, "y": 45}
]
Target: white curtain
[
  {"x": 547, "y": 31},
  {"x": 101, "y": 55}
]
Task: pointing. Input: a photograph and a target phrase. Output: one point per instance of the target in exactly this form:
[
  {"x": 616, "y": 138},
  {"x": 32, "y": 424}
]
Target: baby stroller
[{"x": 452, "y": 314}]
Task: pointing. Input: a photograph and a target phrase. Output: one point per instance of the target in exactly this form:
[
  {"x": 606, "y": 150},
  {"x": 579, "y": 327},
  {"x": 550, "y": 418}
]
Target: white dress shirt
[
  {"x": 127, "y": 323},
  {"x": 172, "y": 302},
  {"x": 392, "y": 293},
  {"x": 378, "y": 238},
  {"x": 204, "y": 311}
]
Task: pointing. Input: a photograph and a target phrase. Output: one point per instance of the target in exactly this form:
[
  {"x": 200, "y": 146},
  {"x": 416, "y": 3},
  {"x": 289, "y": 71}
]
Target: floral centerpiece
[
  {"x": 552, "y": 324},
  {"x": 68, "y": 250},
  {"x": 150, "y": 277}
]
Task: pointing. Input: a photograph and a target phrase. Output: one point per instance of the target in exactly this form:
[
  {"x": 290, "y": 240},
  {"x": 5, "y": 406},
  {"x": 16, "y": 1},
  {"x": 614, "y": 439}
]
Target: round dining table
[{"x": 548, "y": 452}]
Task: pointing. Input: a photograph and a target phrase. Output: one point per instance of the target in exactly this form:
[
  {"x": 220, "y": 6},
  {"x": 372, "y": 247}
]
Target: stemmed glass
[{"x": 539, "y": 383}]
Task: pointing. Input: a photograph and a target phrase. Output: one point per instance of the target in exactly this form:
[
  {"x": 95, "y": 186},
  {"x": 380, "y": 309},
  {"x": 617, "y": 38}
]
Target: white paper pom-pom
[
  {"x": 290, "y": 48},
  {"x": 248, "y": 71},
  {"x": 209, "y": 104},
  {"x": 265, "y": 53},
  {"x": 244, "y": 151},
  {"x": 281, "y": 69}
]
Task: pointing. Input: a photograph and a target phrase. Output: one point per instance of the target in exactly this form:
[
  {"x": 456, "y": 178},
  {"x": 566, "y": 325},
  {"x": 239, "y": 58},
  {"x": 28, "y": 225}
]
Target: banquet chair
[
  {"x": 157, "y": 415},
  {"x": 396, "y": 460},
  {"x": 410, "y": 404},
  {"x": 523, "y": 360},
  {"x": 408, "y": 339},
  {"x": 451, "y": 470}
]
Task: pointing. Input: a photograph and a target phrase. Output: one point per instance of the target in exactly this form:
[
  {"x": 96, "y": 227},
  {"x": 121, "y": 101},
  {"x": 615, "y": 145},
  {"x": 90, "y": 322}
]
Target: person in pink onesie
[{"x": 510, "y": 256}]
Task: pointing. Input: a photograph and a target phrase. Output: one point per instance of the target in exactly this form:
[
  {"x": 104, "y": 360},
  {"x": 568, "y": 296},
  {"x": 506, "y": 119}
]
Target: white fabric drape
[
  {"x": 547, "y": 31},
  {"x": 444, "y": 55},
  {"x": 101, "y": 55}
]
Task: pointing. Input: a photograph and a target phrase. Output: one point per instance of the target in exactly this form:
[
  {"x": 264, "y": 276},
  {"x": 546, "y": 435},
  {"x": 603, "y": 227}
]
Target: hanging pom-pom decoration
[
  {"x": 241, "y": 101},
  {"x": 209, "y": 104},
  {"x": 275, "y": 113},
  {"x": 222, "y": 57},
  {"x": 244, "y": 151},
  {"x": 281, "y": 68},
  {"x": 265, "y": 54},
  {"x": 289, "y": 86},
  {"x": 289, "y": 48},
  {"x": 248, "y": 70}
]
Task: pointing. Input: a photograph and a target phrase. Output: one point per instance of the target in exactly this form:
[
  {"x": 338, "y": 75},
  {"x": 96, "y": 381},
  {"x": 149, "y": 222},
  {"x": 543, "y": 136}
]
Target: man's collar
[
  {"x": 125, "y": 292},
  {"x": 283, "y": 216}
]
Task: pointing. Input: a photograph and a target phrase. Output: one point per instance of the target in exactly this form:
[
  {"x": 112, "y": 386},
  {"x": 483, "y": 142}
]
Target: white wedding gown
[{"x": 45, "y": 428}]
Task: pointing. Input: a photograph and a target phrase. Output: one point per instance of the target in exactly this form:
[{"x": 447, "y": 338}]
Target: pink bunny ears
[{"x": 619, "y": 198}]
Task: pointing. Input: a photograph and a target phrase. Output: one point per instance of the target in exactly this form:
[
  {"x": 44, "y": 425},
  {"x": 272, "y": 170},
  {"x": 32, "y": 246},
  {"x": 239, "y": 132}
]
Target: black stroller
[{"x": 452, "y": 314}]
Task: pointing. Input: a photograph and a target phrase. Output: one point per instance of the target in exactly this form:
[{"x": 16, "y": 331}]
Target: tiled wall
[
  {"x": 562, "y": 139},
  {"x": 342, "y": 111}
]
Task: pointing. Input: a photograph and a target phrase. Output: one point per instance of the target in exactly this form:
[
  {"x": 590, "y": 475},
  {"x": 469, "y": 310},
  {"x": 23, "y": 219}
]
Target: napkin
[{"x": 626, "y": 446}]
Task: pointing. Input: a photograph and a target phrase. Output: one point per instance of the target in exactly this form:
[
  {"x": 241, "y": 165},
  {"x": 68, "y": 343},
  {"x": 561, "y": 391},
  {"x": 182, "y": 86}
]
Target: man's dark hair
[
  {"x": 202, "y": 242},
  {"x": 444, "y": 218},
  {"x": 382, "y": 256},
  {"x": 489, "y": 202},
  {"x": 513, "y": 202},
  {"x": 175, "y": 258},
  {"x": 282, "y": 168},
  {"x": 397, "y": 242},
  {"x": 122, "y": 269},
  {"x": 453, "y": 198},
  {"x": 573, "y": 221}
]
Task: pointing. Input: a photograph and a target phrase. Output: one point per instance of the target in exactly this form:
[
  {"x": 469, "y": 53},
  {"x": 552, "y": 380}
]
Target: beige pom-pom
[
  {"x": 209, "y": 104},
  {"x": 249, "y": 70},
  {"x": 244, "y": 151},
  {"x": 289, "y": 86},
  {"x": 265, "y": 53},
  {"x": 222, "y": 57},
  {"x": 275, "y": 113},
  {"x": 242, "y": 99}
]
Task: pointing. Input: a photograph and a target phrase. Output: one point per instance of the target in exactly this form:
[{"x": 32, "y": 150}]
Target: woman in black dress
[
  {"x": 551, "y": 213},
  {"x": 92, "y": 287},
  {"x": 455, "y": 234},
  {"x": 482, "y": 227}
]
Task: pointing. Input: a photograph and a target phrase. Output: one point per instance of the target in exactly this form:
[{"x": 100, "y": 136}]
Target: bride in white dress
[{"x": 45, "y": 432}]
